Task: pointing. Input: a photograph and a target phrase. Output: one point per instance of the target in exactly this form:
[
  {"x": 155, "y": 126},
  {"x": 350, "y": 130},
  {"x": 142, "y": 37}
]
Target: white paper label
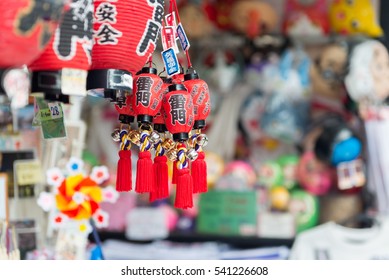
[
  {"x": 276, "y": 225},
  {"x": 73, "y": 81}
]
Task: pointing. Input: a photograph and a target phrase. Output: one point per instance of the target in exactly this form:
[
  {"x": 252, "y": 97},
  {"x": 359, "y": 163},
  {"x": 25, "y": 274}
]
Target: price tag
[
  {"x": 55, "y": 110},
  {"x": 170, "y": 61},
  {"x": 73, "y": 81},
  {"x": 28, "y": 172},
  {"x": 146, "y": 224},
  {"x": 185, "y": 45}
]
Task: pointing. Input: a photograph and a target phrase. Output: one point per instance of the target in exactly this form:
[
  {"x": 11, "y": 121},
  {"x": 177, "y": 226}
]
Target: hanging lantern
[
  {"x": 61, "y": 69},
  {"x": 26, "y": 28},
  {"x": 146, "y": 101},
  {"x": 179, "y": 120},
  {"x": 162, "y": 147},
  {"x": 125, "y": 36},
  {"x": 199, "y": 91}
]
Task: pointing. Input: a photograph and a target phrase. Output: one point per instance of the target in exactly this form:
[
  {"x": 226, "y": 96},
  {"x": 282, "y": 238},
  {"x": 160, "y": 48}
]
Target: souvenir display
[
  {"x": 240, "y": 122},
  {"x": 369, "y": 88}
]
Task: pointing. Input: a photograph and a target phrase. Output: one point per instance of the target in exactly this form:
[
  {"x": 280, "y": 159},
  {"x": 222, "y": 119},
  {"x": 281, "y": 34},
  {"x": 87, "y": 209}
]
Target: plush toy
[
  {"x": 354, "y": 17},
  {"x": 306, "y": 18},
  {"x": 367, "y": 79},
  {"x": 253, "y": 17},
  {"x": 326, "y": 76}
]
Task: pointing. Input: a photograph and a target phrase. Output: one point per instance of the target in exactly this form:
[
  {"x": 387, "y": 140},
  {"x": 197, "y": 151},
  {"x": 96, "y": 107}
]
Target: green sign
[{"x": 228, "y": 213}]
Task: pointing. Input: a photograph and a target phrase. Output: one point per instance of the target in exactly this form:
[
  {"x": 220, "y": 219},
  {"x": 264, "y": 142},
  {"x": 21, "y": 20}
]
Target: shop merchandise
[
  {"x": 368, "y": 87},
  {"x": 240, "y": 127},
  {"x": 354, "y": 18},
  {"x": 331, "y": 241}
]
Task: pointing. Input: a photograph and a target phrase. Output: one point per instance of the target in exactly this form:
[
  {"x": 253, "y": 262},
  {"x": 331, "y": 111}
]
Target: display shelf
[{"x": 243, "y": 242}]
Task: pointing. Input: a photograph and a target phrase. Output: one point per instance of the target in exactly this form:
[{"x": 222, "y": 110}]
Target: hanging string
[{"x": 173, "y": 2}]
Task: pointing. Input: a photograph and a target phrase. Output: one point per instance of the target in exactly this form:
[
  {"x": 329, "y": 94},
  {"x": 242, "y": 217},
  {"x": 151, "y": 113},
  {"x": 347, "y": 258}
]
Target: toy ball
[
  {"x": 289, "y": 169},
  {"x": 313, "y": 176},
  {"x": 355, "y": 17},
  {"x": 270, "y": 174},
  {"x": 279, "y": 198},
  {"x": 305, "y": 207},
  {"x": 241, "y": 170}
]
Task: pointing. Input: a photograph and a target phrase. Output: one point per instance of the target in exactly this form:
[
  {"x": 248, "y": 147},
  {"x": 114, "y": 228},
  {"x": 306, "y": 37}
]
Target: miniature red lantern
[
  {"x": 62, "y": 68},
  {"x": 201, "y": 101},
  {"x": 178, "y": 107},
  {"x": 126, "y": 33},
  {"x": 179, "y": 120},
  {"x": 26, "y": 28},
  {"x": 199, "y": 91},
  {"x": 147, "y": 91},
  {"x": 126, "y": 112},
  {"x": 159, "y": 118}
]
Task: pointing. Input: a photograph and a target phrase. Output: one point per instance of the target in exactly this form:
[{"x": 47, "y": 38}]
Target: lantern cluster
[{"x": 168, "y": 114}]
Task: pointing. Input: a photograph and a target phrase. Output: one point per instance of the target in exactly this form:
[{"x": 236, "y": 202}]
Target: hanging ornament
[
  {"x": 179, "y": 120},
  {"x": 61, "y": 69},
  {"x": 26, "y": 28},
  {"x": 122, "y": 135},
  {"x": 162, "y": 146},
  {"x": 125, "y": 36},
  {"x": 146, "y": 101},
  {"x": 199, "y": 91}
]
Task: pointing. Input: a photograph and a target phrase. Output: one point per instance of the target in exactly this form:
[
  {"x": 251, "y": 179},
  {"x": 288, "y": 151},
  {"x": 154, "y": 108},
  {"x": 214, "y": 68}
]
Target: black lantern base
[
  {"x": 180, "y": 137},
  {"x": 199, "y": 124},
  {"x": 112, "y": 84},
  {"x": 49, "y": 83},
  {"x": 126, "y": 119},
  {"x": 160, "y": 127},
  {"x": 144, "y": 119}
]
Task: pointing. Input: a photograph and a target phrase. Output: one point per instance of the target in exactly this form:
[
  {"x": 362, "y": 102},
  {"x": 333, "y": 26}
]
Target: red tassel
[
  {"x": 174, "y": 176},
  {"x": 199, "y": 174},
  {"x": 124, "y": 172},
  {"x": 144, "y": 173},
  {"x": 184, "y": 189},
  {"x": 161, "y": 177}
]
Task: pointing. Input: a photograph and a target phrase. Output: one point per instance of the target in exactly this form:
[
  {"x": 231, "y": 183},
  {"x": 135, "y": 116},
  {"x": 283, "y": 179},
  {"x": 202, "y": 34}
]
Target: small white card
[
  {"x": 276, "y": 225},
  {"x": 146, "y": 223},
  {"x": 73, "y": 82}
]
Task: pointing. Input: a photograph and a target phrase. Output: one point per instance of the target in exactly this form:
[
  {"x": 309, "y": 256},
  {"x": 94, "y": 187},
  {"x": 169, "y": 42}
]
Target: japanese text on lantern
[
  {"x": 143, "y": 92},
  {"x": 80, "y": 19},
  {"x": 153, "y": 26},
  {"x": 106, "y": 14},
  {"x": 178, "y": 111}
]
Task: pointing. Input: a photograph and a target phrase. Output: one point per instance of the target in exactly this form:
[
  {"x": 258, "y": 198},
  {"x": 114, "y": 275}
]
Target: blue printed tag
[
  {"x": 183, "y": 38},
  {"x": 170, "y": 61}
]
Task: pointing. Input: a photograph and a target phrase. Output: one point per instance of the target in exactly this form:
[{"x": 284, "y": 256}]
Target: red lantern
[
  {"x": 126, "y": 33},
  {"x": 178, "y": 107},
  {"x": 159, "y": 118},
  {"x": 147, "y": 99},
  {"x": 26, "y": 28},
  {"x": 126, "y": 112},
  {"x": 62, "y": 68},
  {"x": 199, "y": 91}
]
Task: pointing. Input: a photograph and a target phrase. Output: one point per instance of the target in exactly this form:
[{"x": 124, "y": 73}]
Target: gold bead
[
  {"x": 134, "y": 137},
  {"x": 171, "y": 154},
  {"x": 168, "y": 144}
]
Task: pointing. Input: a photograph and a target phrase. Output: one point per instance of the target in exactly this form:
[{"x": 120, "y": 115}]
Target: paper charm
[{"x": 76, "y": 196}]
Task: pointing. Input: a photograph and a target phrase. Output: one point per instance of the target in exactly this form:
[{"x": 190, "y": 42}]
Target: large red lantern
[
  {"x": 62, "y": 68},
  {"x": 125, "y": 36},
  {"x": 26, "y": 27}
]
